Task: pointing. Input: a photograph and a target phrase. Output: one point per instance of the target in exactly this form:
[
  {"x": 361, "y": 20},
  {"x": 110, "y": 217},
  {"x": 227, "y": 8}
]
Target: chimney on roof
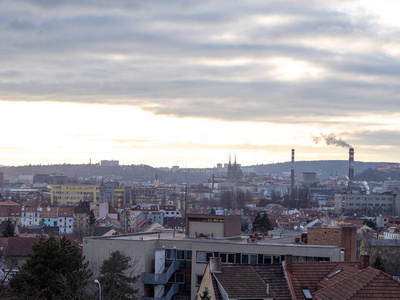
[
  {"x": 267, "y": 288},
  {"x": 215, "y": 264},
  {"x": 364, "y": 261},
  {"x": 288, "y": 263}
]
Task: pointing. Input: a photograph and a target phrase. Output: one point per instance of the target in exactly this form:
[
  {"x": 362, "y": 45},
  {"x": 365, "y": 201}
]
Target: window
[
  {"x": 253, "y": 259},
  {"x": 201, "y": 257},
  {"x": 231, "y": 258},
  {"x": 245, "y": 258},
  {"x": 267, "y": 259},
  {"x": 276, "y": 259},
  {"x": 199, "y": 278},
  {"x": 180, "y": 277},
  {"x": 180, "y": 254},
  {"x": 208, "y": 255},
  {"x": 170, "y": 253}
]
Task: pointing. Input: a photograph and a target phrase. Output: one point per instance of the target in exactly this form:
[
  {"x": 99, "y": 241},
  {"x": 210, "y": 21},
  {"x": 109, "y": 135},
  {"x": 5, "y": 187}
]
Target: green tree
[
  {"x": 54, "y": 270},
  {"x": 370, "y": 223},
  {"x": 92, "y": 218},
  {"x": 378, "y": 264},
  {"x": 261, "y": 223},
  {"x": 205, "y": 295},
  {"x": 8, "y": 230},
  {"x": 115, "y": 279}
]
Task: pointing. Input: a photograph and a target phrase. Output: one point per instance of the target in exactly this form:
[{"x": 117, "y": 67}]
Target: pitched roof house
[{"x": 298, "y": 280}]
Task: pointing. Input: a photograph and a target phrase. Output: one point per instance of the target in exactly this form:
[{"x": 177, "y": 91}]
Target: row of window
[
  {"x": 72, "y": 193},
  {"x": 370, "y": 204},
  {"x": 238, "y": 258},
  {"x": 74, "y": 188},
  {"x": 367, "y": 198},
  {"x": 178, "y": 254}
]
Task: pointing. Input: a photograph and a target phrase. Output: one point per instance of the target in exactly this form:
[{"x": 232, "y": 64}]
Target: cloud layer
[{"x": 270, "y": 61}]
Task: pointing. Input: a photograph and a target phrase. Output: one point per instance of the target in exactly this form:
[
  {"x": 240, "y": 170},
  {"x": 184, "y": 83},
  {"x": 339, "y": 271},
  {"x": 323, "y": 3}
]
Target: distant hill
[
  {"x": 323, "y": 168},
  {"x": 144, "y": 173}
]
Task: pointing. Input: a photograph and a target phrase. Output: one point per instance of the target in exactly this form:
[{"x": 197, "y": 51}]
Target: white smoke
[{"x": 330, "y": 140}]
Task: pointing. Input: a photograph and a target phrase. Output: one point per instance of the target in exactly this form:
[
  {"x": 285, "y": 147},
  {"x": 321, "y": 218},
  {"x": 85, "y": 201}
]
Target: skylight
[
  {"x": 333, "y": 274},
  {"x": 306, "y": 293}
]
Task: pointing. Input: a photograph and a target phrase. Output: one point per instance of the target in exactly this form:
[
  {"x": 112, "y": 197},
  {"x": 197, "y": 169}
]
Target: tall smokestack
[
  {"x": 292, "y": 178},
  {"x": 351, "y": 164}
]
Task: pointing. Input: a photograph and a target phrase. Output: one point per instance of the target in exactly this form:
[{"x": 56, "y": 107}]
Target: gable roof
[
  {"x": 309, "y": 274},
  {"x": 368, "y": 283},
  {"x": 250, "y": 281},
  {"x": 342, "y": 280}
]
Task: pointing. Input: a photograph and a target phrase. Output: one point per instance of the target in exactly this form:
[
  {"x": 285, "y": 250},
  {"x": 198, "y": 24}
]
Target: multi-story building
[
  {"x": 66, "y": 220},
  {"x": 30, "y": 216},
  {"x": 48, "y": 216},
  {"x": 363, "y": 203},
  {"x": 170, "y": 211},
  {"x": 72, "y": 194},
  {"x": 81, "y": 215},
  {"x": 10, "y": 210},
  {"x": 393, "y": 233},
  {"x": 141, "y": 195},
  {"x": 173, "y": 263}
]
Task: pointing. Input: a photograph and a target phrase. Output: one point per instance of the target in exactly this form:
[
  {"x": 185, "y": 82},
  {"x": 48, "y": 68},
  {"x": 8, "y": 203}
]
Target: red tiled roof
[
  {"x": 368, "y": 283},
  {"x": 309, "y": 274},
  {"x": 65, "y": 211},
  {"x": 111, "y": 209},
  {"x": 9, "y": 203},
  {"x": 250, "y": 281}
]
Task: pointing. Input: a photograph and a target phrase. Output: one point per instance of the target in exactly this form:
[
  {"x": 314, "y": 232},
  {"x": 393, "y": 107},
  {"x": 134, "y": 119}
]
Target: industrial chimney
[
  {"x": 292, "y": 178},
  {"x": 351, "y": 164}
]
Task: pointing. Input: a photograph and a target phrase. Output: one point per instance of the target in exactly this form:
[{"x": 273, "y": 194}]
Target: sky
[{"x": 189, "y": 83}]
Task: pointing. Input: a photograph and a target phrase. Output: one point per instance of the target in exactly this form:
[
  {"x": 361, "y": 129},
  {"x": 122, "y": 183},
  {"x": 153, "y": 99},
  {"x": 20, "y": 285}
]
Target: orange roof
[
  {"x": 368, "y": 283},
  {"x": 9, "y": 203}
]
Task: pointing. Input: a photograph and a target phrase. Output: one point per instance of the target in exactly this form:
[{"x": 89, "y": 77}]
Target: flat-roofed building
[
  {"x": 72, "y": 194},
  {"x": 364, "y": 203},
  {"x": 174, "y": 262}
]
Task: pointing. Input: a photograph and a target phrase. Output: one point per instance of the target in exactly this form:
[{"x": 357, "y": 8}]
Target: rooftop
[{"x": 179, "y": 235}]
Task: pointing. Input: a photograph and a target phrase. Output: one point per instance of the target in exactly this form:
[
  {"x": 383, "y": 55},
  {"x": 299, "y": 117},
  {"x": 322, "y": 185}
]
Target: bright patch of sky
[{"x": 188, "y": 83}]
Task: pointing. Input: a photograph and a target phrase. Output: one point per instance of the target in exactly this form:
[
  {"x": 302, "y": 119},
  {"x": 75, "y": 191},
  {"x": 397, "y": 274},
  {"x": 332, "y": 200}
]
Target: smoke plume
[{"x": 330, "y": 140}]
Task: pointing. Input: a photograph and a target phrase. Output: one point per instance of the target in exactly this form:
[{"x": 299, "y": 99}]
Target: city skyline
[{"x": 190, "y": 83}]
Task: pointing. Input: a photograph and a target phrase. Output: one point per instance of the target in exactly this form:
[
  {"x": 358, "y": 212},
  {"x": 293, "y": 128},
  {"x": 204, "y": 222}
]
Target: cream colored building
[
  {"x": 173, "y": 263},
  {"x": 363, "y": 203}
]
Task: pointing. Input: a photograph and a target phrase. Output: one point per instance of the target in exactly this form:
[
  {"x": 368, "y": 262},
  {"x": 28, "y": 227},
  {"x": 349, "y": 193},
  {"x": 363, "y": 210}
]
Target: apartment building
[
  {"x": 173, "y": 263},
  {"x": 72, "y": 194},
  {"x": 363, "y": 203}
]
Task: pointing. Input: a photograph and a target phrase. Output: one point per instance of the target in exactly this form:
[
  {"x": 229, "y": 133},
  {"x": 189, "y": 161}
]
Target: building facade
[
  {"x": 364, "y": 203},
  {"x": 173, "y": 263},
  {"x": 72, "y": 194}
]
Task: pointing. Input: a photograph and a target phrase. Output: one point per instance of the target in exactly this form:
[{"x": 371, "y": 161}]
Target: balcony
[
  {"x": 167, "y": 296},
  {"x": 160, "y": 278}
]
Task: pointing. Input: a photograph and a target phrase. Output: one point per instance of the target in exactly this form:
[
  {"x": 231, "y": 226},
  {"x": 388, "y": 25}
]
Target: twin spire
[{"x": 230, "y": 159}]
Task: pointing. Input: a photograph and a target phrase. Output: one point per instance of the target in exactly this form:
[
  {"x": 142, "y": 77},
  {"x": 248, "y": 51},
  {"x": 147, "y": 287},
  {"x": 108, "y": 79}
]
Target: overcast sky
[{"x": 188, "y": 82}]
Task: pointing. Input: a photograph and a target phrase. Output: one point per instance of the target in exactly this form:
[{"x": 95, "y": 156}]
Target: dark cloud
[{"x": 213, "y": 59}]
